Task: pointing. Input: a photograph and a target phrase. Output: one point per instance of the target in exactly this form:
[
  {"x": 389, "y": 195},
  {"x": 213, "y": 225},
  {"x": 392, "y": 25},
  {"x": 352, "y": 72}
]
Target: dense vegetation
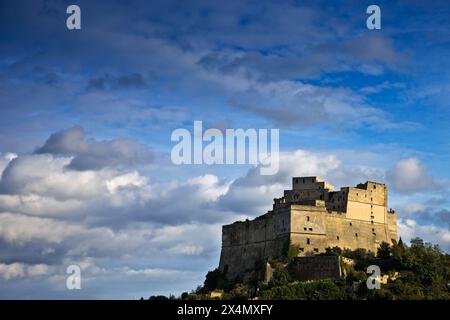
[{"x": 418, "y": 271}]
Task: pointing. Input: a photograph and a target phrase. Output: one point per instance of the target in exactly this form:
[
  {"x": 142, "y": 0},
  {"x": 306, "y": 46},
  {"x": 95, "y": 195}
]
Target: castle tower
[{"x": 311, "y": 216}]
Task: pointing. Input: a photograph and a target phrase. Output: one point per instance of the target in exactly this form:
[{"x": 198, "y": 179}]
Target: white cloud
[
  {"x": 186, "y": 250},
  {"x": 20, "y": 229},
  {"x": 21, "y": 270},
  {"x": 37, "y": 270},
  {"x": 157, "y": 273},
  {"x": 5, "y": 159},
  {"x": 409, "y": 229},
  {"x": 410, "y": 175},
  {"x": 412, "y": 208},
  {"x": 11, "y": 271},
  {"x": 124, "y": 181},
  {"x": 89, "y": 154},
  {"x": 117, "y": 223},
  {"x": 46, "y": 175},
  {"x": 289, "y": 103},
  {"x": 253, "y": 193},
  {"x": 209, "y": 186}
]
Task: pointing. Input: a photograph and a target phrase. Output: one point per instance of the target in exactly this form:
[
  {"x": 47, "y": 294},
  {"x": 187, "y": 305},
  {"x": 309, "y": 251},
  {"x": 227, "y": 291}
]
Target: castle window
[
  {"x": 371, "y": 222},
  {"x": 310, "y": 229},
  {"x": 316, "y": 250},
  {"x": 351, "y": 224},
  {"x": 337, "y": 237},
  {"x": 307, "y": 218},
  {"x": 301, "y": 249},
  {"x": 305, "y": 229},
  {"x": 296, "y": 180},
  {"x": 312, "y": 179},
  {"x": 373, "y": 229},
  {"x": 303, "y": 180},
  {"x": 308, "y": 241},
  {"x": 374, "y": 234},
  {"x": 356, "y": 235},
  {"x": 374, "y": 186}
]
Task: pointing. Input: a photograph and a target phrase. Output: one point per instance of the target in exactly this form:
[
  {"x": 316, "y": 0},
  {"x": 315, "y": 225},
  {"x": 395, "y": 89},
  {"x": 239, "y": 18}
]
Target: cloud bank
[{"x": 117, "y": 222}]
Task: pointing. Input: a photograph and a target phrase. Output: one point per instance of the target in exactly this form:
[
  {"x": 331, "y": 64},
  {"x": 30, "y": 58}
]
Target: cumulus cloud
[
  {"x": 108, "y": 196},
  {"x": 409, "y": 176},
  {"x": 109, "y": 220},
  {"x": 89, "y": 154},
  {"x": 118, "y": 223},
  {"x": 157, "y": 273},
  {"x": 20, "y": 270},
  {"x": 436, "y": 215},
  {"x": 412, "y": 208},
  {"x": 409, "y": 229},
  {"x": 5, "y": 159},
  {"x": 45, "y": 174},
  {"x": 253, "y": 193},
  {"x": 371, "y": 54},
  {"x": 288, "y": 103},
  {"x": 84, "y": 200}
]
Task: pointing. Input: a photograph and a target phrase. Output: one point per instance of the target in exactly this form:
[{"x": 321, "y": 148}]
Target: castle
[{"x": 311, "y": 216}]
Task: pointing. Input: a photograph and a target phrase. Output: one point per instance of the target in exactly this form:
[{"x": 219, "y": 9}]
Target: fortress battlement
[{"x": 311, "y": 216}]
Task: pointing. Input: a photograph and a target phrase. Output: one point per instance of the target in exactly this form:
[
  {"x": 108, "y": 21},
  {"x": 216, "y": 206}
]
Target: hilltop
[{"x": 416, "y": 272}]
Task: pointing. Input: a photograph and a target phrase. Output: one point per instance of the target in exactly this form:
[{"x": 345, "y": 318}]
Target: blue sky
[{"x": 86, "y": 118}]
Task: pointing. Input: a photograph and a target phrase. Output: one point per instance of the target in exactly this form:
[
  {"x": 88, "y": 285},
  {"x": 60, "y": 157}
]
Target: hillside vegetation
[{"x": 415, "y": 272}]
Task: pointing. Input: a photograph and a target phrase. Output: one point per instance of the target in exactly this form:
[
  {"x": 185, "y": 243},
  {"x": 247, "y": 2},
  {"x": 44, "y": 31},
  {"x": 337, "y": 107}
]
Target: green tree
[{"x": 384, "y": 251}]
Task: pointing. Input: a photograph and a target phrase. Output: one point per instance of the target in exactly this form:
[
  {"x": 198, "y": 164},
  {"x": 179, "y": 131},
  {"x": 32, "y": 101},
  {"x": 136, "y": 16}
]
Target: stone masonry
[{"x": 311, "y": 216}]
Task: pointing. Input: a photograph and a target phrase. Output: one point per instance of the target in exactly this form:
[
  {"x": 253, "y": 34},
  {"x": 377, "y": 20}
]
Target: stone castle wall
[
  {"x": 359, "y": 220},
  {"x": 246, "y": 243},
  {"x": 317, "y": 267}
]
